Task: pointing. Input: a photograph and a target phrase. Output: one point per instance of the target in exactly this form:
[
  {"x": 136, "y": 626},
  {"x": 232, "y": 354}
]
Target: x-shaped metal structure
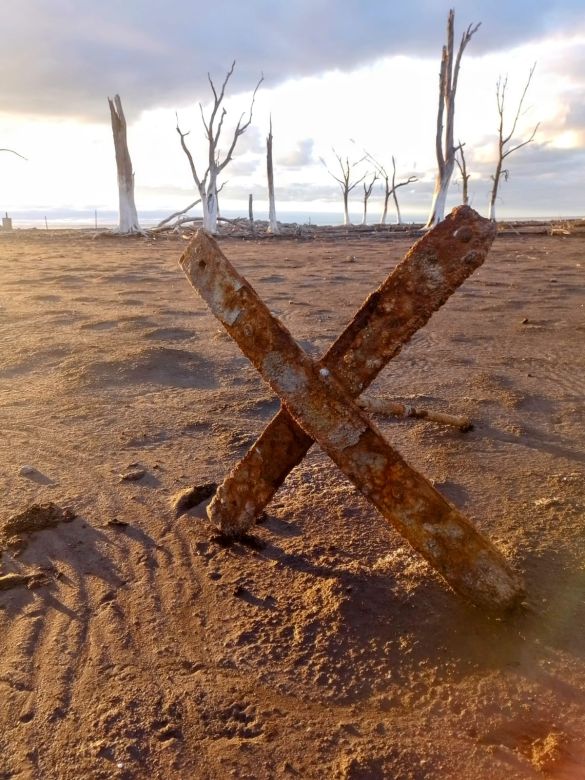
[{"x": 317, "y": 401}]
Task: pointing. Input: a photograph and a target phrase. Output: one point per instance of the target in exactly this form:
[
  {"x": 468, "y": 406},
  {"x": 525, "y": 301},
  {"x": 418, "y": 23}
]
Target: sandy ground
[{"x": 148, "y": 650}]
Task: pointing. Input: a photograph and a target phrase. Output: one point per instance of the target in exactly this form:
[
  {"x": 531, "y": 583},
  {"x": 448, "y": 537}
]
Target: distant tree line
[{"x": 348, "y": 173}]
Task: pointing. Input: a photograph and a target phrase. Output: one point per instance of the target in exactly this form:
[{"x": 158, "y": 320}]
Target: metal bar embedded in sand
[
  {"x": 449, "y": 542},
  {"x": 435, "y": 266}
]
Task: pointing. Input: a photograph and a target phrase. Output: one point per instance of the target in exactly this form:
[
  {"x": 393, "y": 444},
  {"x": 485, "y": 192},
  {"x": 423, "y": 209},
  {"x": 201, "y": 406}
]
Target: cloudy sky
[{"x": 348, "y": 74}]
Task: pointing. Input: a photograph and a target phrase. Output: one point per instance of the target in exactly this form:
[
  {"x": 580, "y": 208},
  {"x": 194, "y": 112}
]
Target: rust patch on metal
[
  {"x": 320, "y": 404},
  {"x": 386, "y": 321}
]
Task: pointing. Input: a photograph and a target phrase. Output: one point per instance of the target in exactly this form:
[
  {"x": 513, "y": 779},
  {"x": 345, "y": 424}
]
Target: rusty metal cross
[{"x": 317, "y": 401}]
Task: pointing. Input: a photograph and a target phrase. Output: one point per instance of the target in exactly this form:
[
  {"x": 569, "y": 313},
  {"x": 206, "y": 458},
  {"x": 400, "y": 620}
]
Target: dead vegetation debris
[
  {"x": 30, "y": 580},
  {"x": 34, "y": 518}
]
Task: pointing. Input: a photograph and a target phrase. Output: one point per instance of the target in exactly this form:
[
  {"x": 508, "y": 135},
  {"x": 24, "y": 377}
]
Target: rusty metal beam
[
  {"x": 432, "y": 270},
  {"x": 317, "y": 400}
]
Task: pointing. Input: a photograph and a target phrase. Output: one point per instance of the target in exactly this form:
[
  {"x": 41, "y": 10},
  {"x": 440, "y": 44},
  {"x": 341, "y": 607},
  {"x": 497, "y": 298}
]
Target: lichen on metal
[{"x": 325, "y": 410}]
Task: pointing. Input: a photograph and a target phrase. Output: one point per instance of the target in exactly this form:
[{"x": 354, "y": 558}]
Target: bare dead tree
[
  {"x": 462, "y": 165},
  {"x": 367, "y": 192},
  {"x": 444, "y": 146},
  {"x": 213, "y": 124},
  {"x": 345, "y": 181},
  {"x": 272, "y": 222},
  {"x": 391, "y": 186},
  {"x": 128, "y": 217},
  {"x": 504, "y": 138}
]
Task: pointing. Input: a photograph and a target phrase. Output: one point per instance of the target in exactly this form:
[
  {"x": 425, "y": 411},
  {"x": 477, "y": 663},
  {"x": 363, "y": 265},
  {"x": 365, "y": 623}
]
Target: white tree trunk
[
  {"x": 365, "y": 217},
  {"x": 128, "y": 216},
  {"x": 127, "y": 208},
  {"x": 210, "y": 214},
  {"x": 444, "y": 145},
  {"x": 272, "y": 221},
  {"x": 492, "y": 211},
  {"x": 439, "y": 198},
  {"x": 398, "y": 214},
  {"x": 385, "y": 211},
  {"x": 346, "y": 209}
]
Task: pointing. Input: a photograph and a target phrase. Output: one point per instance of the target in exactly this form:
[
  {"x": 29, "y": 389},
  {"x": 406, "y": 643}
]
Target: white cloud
[
  {"x": 65, "y": 56},
  {"x": 299, "y": 156},
  {"x": 70, "y": 59}
]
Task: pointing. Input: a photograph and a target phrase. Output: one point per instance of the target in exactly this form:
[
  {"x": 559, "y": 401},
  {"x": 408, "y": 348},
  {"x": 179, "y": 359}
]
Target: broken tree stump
[
  {"x": 319, "y": 403},
  {"x": 432, "y": 270}
]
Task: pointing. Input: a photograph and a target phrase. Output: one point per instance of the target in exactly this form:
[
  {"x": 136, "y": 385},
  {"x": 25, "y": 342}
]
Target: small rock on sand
[{"x": 132, "y": 476}]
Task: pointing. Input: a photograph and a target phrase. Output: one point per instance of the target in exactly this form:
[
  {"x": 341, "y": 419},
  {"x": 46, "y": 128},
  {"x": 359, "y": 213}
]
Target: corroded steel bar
[
  {"x": 386, "y": 406},
  {"x": 432, "y": 270},
  {"x": 469, "y": 563}
]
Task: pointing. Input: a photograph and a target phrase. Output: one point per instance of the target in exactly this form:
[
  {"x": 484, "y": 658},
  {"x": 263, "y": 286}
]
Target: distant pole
[
  {"x": 95, "y": 218},
  {"x": 251, "y": 211},
  {"x": 46, "y": 224}
]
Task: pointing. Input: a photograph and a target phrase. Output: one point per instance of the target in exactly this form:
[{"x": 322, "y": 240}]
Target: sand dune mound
[{"x": 150, "y": 365}]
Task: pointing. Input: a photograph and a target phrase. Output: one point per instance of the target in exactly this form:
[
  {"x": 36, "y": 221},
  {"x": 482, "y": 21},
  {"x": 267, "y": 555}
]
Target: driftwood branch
[
  {"x": 178, "y": 213},
  {"x": 386, "y": 406}
]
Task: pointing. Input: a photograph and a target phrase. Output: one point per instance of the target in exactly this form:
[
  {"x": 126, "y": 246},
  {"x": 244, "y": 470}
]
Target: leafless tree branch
[
  {"x": 16, "y": 153},
  {"x": 504, "y": 137},
  {"x": 178, "y": 213},
  {"x": 213, "y": 126},
  {"x": 391, "y": 185},
  {"x": 345, "y": 182}
]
